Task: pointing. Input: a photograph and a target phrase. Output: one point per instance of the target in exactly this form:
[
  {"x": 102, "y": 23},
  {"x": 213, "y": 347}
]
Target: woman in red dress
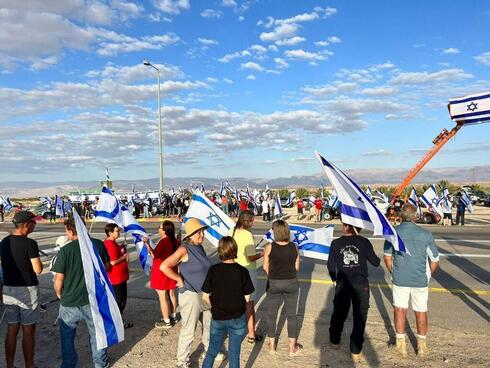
[{"x": 163, "y": 284}]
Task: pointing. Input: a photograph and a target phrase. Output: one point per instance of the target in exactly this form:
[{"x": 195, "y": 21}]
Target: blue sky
[{"x": 249, "y": 88}]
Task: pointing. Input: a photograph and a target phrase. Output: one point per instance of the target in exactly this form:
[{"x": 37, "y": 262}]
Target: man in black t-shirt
[
  {"x": 21, "y": 265},
  {"x": 347, "y": 266}
]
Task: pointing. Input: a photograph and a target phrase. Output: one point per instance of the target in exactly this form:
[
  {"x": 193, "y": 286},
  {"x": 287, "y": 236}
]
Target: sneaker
[
  {"x": 164, "y": 325},
  {"x": 176, "y": 319},
  {"x": 184, "y": 365},
  {"x": 219, "y": 358}
]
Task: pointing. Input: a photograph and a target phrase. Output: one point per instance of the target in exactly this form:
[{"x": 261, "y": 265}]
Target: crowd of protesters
[{"x": 221, "y": 297}]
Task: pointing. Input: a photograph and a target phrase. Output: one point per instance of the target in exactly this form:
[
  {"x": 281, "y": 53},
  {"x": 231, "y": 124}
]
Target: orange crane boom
[{"x": 438, "y": 142}]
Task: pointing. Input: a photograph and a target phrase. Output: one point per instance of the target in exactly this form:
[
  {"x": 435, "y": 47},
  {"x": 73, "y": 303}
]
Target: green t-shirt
[{"x": 69, "y": 262}]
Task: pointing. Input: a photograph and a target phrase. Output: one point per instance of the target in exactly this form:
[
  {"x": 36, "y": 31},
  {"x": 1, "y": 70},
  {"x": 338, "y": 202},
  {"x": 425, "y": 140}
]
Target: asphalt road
[{"x": 459, "y": 292}]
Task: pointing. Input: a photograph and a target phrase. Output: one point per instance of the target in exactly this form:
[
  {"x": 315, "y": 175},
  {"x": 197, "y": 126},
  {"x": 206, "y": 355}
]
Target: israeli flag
[
  {"x": 292, "y": 197},
  {"x": 46, "y": 200},
  {"x": 312, "y": 243},
  {"x": 108, "y": 209},
  {"x": 369, "y": 192},
  {"x": 266, "y": 191},
  {"x": 59, "y": 206},
  {"x": 277, "y": 206},
  {"x": 445, "y": 202},
  {"x": 467, "y": 201},
  {"x": 414, "y": 200},
  {"x": 130, "y": 225},
  {"x": 471, "y": 109},
  {"x": 333, "y": 200},
  {"x": 431, "y": 199},
  {"x": 67, "y": 206},
  {"x": 383, "y": 196},
  {"x": 219, "y": 224},
  {"x": 109, "y": 328},
  {"x": 357, "y": 209},
  {"x": 7, "y": 205}
]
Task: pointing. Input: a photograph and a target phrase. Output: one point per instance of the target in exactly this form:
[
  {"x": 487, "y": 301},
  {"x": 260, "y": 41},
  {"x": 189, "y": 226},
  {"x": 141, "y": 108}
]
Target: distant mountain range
[{"x": 22, "y": 189}]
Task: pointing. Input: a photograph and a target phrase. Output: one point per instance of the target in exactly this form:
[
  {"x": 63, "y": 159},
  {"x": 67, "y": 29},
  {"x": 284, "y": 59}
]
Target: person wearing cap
[
  {"x": 21, "y": 264},
  {"x": 193, "y": 265}
]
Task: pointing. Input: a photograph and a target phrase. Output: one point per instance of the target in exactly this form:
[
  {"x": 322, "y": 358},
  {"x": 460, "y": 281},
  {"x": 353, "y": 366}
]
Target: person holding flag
[
  {"x": 118, "y": 271},
  {"x": 81, "y": 302},
  {"x": 247, "y": 257},
  {"x": 411, "y": 274},
  {"x": 347, "y": 266}
]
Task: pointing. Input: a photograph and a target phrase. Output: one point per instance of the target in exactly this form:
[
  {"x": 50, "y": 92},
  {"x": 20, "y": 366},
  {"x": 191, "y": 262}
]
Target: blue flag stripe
[
  {"x": 354, "y": 212},
  {"x": 478, "y": 113},
  {"x": 199, "y": 199},
  {"x": 452, "y": 102},
  {"x": 315, "y": 247}
]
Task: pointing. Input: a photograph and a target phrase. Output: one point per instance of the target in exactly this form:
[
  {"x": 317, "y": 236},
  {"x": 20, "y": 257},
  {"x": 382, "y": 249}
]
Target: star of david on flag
[
  {"x": 219, "y": 223},
  {"x": 312, "y": 243},
  {"x": 471, "y": 109}
]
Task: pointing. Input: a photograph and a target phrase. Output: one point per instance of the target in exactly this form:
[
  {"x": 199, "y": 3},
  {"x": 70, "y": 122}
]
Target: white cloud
[
  {"x": 256, "y": 51},
  {"x": 229, "y": 3},
  {"x": 269, "y": 162},
  {"x": 281, "y": 63},
  {"x": 207, "y": 41},
  {"x": 251, "y": 77},
  {"x": 239, "y": 54},
  {"x": 41, "y": 38},
  {"x": 451, "y": 50},
  {"x": 211, "y": 13},
  {"x": 252, "y": 66},
  {"x": 483, "y": 58},
  {"x": 285, "y": 30},
  {"x": 381, "y": 152},
  {"x": 380, "y": 91},
  {"x": 426, "y": 77},
  {"x": 336, "y": 87},
  {"x": 172, "y": 6},
  {"x": 136, "y": 73},
  {"x": 305, "y": 55},
  {"x": 130, "y": 44},
  {"x": 326, "y": 12},
  {"x": 302, "y": 159},
  {"x": 290, "y": 41},
  {"x": 330, "y": 40}
]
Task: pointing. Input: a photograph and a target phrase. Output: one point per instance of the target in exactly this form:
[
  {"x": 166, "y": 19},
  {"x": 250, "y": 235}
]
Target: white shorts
[{"x": 418, "y": 297}]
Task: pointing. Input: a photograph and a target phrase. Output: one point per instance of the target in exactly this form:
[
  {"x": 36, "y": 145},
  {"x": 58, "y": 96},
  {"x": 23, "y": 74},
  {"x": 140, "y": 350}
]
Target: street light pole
[{"x": 160, "y": 138}]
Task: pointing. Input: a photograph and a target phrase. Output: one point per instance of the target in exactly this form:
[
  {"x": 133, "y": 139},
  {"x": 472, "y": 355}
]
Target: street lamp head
[{"x": 146, "y": 62}]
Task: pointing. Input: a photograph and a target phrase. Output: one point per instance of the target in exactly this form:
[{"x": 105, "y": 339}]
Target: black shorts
[{"x": 448, "y": 216}]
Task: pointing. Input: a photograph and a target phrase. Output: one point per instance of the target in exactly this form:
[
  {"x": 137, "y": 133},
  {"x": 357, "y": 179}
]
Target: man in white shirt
[{"x": 265, "y": 210}]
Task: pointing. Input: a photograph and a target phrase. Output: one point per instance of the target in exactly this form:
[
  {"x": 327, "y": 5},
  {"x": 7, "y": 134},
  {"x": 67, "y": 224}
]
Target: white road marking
[
  {"x": 461, "y": 255},
  {"x": 437, "y": 240}
]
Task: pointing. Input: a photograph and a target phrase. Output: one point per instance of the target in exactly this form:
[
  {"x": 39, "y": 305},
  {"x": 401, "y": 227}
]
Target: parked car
[
  {"x": 486, "y": 202},
  {"x": 480, "y": 196}
]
